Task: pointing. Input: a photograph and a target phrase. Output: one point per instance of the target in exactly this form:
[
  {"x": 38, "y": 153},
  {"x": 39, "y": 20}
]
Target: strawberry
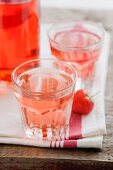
[{"x": 82, "y": 103}]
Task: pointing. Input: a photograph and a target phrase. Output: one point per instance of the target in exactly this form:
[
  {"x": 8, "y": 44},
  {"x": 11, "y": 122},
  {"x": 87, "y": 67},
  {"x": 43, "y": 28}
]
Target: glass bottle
[{"x": 19, "y": 34}]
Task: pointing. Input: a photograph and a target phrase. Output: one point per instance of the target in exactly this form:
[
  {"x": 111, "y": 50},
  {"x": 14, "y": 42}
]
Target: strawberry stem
[{"x": 92, "y": 96}]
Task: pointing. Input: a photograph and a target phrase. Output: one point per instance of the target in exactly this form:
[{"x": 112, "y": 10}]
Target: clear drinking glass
[
  {"x": 79, "y": 43},
  {"x": 44, "y": 88},
  {"x": 19, "y": 34}
]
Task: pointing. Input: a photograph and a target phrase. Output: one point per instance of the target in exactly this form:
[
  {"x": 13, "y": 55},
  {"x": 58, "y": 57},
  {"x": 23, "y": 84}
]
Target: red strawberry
[{"x": 82, "y": 103}]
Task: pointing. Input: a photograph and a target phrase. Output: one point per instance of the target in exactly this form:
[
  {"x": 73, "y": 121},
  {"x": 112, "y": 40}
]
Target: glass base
[{"x": 46, "y": 133}]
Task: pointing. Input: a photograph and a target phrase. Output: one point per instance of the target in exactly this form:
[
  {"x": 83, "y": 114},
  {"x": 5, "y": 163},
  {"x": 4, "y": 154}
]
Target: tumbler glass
[
  {"x": 44, "y": 88},
  {"x": 78, "y": 43}
]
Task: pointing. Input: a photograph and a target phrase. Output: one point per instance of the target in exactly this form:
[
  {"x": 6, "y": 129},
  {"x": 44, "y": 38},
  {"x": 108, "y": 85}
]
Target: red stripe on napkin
[
  {"x": 75, "y": 132},
  {"x": 75, "y": 126},
  {"x": 70, "y": 144}
]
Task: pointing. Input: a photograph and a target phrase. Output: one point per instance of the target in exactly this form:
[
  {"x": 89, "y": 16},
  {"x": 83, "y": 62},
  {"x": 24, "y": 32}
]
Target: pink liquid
[
  {"x": 70, "y": 47},
  {"x": 19, "y": 34},
  {"x": 45, "y": 115}
]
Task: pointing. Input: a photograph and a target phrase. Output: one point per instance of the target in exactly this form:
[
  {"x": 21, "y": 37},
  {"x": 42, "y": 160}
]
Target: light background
[{"x": 79, "y": 4}]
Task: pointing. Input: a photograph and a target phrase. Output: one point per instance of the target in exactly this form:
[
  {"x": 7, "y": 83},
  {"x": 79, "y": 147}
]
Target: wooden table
[{"x": 30, "y": 158}]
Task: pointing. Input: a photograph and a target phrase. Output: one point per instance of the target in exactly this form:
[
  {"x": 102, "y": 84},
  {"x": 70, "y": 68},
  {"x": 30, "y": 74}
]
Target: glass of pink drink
[
  {"x": 79, "y": 43},
  {"x": 44, "y": 88}
]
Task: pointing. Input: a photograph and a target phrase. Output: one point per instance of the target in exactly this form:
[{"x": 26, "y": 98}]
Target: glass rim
[
  {"x": 40, "y": 93},
  {"x": 62, "y": 24}
]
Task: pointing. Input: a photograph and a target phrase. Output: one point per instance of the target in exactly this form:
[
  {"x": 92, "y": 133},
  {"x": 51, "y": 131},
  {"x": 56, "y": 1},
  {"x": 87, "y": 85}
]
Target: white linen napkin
[{"x": 92, "y": 127}]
